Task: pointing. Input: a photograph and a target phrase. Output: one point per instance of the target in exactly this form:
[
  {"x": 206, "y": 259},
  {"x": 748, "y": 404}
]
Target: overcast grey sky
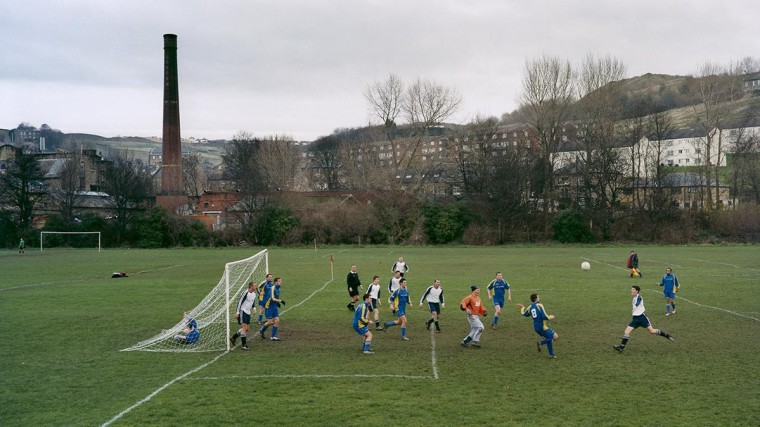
[{"x": 300, "y": 68}]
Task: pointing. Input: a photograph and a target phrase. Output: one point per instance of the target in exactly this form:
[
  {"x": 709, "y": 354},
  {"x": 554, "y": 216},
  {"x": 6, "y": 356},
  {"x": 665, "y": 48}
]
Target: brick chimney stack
[{"x": 172, "y": 194}]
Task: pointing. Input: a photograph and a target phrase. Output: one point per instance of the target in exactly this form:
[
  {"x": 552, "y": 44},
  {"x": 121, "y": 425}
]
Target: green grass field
[{"x": 63, "y": 322}]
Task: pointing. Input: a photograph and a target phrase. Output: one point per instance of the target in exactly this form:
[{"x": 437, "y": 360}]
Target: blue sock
[
  {"x": 389, "y": 324},
  {"x": 403, "y": 331},
  {"x": 263, "y": 329},
  {"x": 260, "y": 317},
  {"x": 274, "y": 331},
  {"x": 495, "y": 320},
  {"x": 667, "y": 308},
  {"x": 550, "y": 347},
  {"x": 366, "y": 346}
]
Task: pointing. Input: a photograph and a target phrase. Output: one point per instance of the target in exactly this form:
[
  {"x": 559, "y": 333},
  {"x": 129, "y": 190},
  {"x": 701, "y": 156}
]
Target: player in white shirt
[
  {"x": 639, "y": 320},
  {"x": 401, "y": 266},
  {"x": 434, "y": 297},
  {"x": 394, "y": 284},
  {"x": 245, "y": 309},
  {"x": 374, "y": 293}
]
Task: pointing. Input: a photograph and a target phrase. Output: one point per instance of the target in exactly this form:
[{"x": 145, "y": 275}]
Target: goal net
[
  {"x": 80, "y": 239},
  {"x": 215, "y": 312}
]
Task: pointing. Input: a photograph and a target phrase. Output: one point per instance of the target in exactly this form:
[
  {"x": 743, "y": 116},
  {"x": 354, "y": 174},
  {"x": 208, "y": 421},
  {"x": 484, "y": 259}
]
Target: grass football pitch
[{"x": 63, "y": 322}]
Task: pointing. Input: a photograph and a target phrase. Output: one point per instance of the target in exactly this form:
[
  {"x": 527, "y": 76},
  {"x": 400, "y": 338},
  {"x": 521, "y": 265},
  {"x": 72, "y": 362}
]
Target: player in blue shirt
[
  {"x": 670, "y": 286},
  {"x": 190, "y": 334},
  {"x": 361, "y": 320},
  {"x": 272, "y": 308},
  {"x": 538, "y": 313},
  {"x": 496, "y": 292},
  {"x": 400, "y": 298},
  {"x": 263, "y": 292},
  {"x": 639, "y": 319}
]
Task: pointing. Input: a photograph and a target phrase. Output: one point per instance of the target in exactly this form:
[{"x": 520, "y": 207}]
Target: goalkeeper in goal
[{"x": 190, "y": 334}]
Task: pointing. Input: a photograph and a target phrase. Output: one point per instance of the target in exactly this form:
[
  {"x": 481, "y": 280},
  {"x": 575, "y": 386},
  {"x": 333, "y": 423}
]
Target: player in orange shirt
[{"x": 474, "y": 308}]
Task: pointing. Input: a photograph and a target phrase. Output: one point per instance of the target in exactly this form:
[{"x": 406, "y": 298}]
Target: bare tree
[
  {"x": 546, "y": 99},
  {"x": 471, "y": 151},
  {"x": 130, "y": 189},
  {"x": 385, "y": 100},
  {"x": 278, "y": 161},
  {"x": 72, "y": 181},
  {"x": 194, "y": 176},
  {"x": 598, "y": 112},
  {"x": 423, "y": 104},
  {"x": 240, "y": 160},
  {"x": 717, "y": 87},
  {"x": 325, "y": 162}
]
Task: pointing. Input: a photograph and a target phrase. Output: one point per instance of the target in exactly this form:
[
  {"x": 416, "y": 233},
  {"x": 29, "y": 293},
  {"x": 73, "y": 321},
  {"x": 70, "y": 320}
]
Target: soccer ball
[{"x": 585, "y": 266}]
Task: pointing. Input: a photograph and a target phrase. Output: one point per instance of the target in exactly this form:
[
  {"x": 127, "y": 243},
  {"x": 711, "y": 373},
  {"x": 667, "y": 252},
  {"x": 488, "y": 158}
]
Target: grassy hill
[{"x": 138, "y": 147}]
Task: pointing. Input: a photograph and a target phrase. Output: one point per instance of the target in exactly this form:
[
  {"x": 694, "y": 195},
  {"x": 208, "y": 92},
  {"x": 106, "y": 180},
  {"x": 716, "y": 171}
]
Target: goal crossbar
[{"x": 43, "y": 233}]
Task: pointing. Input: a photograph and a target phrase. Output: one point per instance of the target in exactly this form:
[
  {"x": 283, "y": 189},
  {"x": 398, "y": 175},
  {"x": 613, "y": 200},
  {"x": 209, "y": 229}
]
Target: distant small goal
[{"x": 48, "y": 233}]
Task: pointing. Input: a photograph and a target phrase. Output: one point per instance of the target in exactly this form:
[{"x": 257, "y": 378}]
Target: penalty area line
[{"x": 309, "y": 297}]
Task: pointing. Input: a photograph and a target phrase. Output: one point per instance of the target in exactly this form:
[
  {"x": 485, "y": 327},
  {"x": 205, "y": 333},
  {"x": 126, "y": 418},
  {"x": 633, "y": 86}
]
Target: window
[
  {"x": 680, "y": 151},
  {"x": 670, "y": 152}
]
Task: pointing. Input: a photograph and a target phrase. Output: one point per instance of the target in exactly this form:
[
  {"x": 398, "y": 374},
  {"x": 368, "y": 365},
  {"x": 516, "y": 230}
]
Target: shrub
[{"x": 571, "y": 226}]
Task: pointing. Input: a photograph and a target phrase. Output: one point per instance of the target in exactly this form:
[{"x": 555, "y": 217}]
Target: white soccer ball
[{"x": 585, "y": 266}]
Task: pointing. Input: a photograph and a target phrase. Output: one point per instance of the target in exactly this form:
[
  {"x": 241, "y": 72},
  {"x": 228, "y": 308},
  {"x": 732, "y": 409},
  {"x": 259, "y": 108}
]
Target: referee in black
[{"x": 354, "y": 285}]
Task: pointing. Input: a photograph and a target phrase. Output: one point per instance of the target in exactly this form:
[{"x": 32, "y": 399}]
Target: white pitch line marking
[
  {"x": 159, "y": 269},
  {"x": 724, "y": 263},
  {"x": 714, "y": 308},
  {"x": 30, "y": 286},
  {"x": 432, "y": 354},
  {"x": 236, "y": 377}
]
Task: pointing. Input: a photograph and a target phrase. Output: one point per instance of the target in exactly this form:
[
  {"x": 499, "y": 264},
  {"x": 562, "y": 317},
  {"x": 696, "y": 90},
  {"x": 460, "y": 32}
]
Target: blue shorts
[
  {"x": 639, "y": 321},
  {"x": 373, "y": 303},
  {"x": 435, "y": 307},
  {"x": 361, "y": 331},
  {"x": 400, "y": 311},
  {"x": 272, "y": 311},
  {"x": 546, "y": 333},
  {"x": 499, "y": 302},
  {"x": 671, "y": 295},
  {"x": 244, "y": 318}
]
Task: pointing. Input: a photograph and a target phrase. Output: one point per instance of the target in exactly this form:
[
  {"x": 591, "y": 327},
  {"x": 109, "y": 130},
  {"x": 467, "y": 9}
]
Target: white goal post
[
  {"x": 43, "y": 233},
  {"x": 214, "y": 314}
]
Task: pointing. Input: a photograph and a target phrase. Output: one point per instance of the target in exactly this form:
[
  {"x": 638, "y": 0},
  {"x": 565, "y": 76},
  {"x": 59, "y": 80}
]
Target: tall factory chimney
[{"x": 172, "y": 194}]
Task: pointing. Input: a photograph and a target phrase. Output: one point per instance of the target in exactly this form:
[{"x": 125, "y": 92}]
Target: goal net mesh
[{"x": 214, "y": 313}]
